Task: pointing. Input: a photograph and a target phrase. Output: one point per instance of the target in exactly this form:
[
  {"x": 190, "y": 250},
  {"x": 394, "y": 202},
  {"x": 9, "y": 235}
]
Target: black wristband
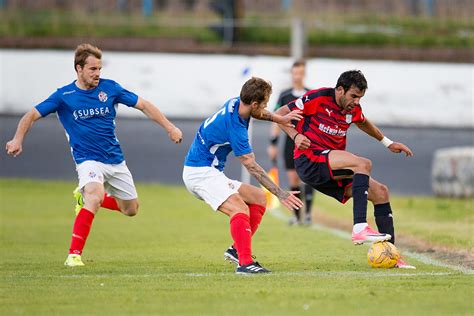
[
  {"x": 294, "y": 137},
  {"x": 274, "y": 140}
]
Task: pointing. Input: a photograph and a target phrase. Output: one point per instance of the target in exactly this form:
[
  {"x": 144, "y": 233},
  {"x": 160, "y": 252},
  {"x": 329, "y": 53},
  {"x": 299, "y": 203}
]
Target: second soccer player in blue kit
[{"x": 220, "y": 134}]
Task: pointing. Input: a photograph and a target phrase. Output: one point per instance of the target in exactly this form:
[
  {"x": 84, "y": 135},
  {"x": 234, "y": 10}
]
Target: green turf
[
  {"x": 440, "y": 221},
  {"x": 168, "y": 260}
]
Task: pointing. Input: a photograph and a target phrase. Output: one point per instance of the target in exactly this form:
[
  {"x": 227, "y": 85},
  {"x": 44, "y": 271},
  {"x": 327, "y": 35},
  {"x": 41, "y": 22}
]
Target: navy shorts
[{"x": 314, "y": 169}]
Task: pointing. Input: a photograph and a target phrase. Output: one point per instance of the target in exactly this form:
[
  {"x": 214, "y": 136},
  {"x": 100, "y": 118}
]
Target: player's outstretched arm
[
  {"x": 285, "y": 120},
  {"x": 372, "y": 130},
  {"x": 287, "y": 198},
  {"x": 14, "y": 147},
  {"x": 155, "y": 114}
]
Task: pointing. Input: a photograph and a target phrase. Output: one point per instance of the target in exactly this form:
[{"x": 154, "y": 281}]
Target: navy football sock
[
  {"x": 296, "y": 211},
  {"x": 308, "y": 197},
  {"x": 384, "y": 219},
  {"x": 360, "y": 191}
]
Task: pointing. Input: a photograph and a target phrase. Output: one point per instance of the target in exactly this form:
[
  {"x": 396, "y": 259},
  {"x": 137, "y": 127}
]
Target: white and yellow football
[{"x": 383, "y": 255}]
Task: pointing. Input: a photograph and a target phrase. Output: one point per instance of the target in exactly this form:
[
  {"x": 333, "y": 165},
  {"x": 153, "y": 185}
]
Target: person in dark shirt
[{"x": 298, "y": 89}]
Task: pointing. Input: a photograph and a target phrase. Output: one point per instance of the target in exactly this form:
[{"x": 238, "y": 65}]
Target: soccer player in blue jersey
[
  {"x": 87, "y": 110},
  {"x": 223, "y": 132}
]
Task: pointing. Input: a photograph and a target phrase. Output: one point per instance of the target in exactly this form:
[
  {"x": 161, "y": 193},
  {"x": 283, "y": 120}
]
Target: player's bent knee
[
  {"x": 131, "y": 210},
  {"x": 92, "y": 202},
  {"x": 384, "y": 192},
  {"x": 364, "y": 165},
  {"x": 379, "y": 194},
  {"x": 240, "y": 208},
  {"x": 244, "y": 211},
  {"x": 234, "y": 205},
  {"x": 261, "y": 198}
]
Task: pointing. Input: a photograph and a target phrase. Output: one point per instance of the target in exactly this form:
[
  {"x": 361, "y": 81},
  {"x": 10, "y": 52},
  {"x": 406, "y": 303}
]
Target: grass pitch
[
  {"x": 169, "y": 260},
  {"x": 438, "y": 221}
]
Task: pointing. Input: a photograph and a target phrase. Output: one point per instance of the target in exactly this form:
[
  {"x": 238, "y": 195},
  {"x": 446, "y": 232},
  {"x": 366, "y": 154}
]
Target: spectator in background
[{"x": 298, "y": 71}]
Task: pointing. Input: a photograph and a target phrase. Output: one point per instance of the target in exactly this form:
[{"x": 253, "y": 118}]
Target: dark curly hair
[{"x": 352, "y": 78}]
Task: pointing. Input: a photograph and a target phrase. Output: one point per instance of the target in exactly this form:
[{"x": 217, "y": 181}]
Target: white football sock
[{"x": 359, "y": 227}]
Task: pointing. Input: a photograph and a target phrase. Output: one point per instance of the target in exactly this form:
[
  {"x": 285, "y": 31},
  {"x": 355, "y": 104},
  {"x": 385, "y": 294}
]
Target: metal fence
[
  {"x": 439, "y": 29},
  {"x": 433, "y": 8}
]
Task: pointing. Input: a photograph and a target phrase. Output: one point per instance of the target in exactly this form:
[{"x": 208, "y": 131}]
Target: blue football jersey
[
  {"x": 88, "y": 116},
  {"x": 223, "y": 132}
]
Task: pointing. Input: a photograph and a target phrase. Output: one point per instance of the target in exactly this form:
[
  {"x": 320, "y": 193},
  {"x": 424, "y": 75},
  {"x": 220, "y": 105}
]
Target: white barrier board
[{"x": 188, "y": 85}]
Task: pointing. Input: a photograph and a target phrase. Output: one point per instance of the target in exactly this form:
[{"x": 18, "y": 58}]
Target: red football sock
[
  {"x": 242, "y": 235},
  {"x": 80, "y": 231},
  {"x": 110, "y": 203},
  {"x": 256, "y": 213}
]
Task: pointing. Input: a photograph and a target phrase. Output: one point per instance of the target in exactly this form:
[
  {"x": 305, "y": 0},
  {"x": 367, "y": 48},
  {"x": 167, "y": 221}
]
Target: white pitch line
[
  {"x": 375, "y": 273},
  {"x": 427, "y": 260},
  {"x": 345, "y": 235},
  {"x": 370, "y": 274}
]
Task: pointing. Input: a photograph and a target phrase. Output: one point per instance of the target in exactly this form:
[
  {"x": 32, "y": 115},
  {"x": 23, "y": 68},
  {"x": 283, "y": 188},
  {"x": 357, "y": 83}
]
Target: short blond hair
[{"x": 83, "y": 51}]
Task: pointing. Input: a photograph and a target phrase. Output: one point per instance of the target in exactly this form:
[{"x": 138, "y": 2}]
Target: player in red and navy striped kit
[{"x": 322, "y": 161}]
